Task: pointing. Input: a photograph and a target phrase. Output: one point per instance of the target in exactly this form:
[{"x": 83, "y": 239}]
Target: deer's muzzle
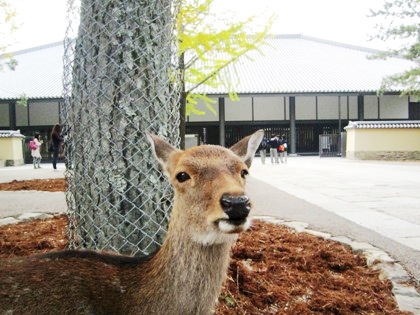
[{"x": 236, "y": 207}]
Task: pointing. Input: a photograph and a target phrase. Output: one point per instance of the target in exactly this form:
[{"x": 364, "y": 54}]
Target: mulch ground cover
[
  {"x": 274, "y": 270},
  {"x": 53, "y": 184}
]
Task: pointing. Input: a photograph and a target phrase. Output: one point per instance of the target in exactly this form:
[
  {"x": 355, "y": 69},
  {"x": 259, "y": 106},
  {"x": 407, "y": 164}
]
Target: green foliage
[
  {"x": 403, "y": 18},
  {"x": 7, "y": 26},
  {"x": 207, "y": 45},
  {"x": 23, "y": 100}
]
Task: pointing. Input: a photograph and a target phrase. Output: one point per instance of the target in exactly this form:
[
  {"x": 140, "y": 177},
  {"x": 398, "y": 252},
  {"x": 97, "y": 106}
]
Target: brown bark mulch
[
  {"x": 274, "y": 270},
  {"x": 53, "y": 184}
]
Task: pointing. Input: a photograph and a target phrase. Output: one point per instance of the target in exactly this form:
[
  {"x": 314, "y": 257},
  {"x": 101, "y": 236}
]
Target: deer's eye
[
  {"x": 182, "y": 177},
  {"x": 244, "y": 173}
]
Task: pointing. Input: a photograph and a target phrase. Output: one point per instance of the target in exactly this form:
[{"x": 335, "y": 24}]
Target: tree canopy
[
  {"x": 7, "y": 26},
  {"x": 401, "y": 21},
  {"x": 208, "y": 44}
]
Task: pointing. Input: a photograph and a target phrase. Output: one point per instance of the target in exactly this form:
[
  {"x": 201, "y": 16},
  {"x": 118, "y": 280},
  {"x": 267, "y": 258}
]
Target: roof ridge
[
  {"x": 32, "y": 49},
  {"x": 329, "y": 42},
  {"x": 378, "y": 124}
]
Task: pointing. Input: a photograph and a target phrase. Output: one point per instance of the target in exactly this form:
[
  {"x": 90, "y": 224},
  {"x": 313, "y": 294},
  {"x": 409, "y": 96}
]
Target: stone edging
[
  {"x": 26, "y": 217},
  {"x": 407, "y": 297}
]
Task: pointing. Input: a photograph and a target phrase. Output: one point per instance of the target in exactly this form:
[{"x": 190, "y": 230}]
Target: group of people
[
  {"x": 277, "y": 146},
  {"x": 56, "y": 140}
]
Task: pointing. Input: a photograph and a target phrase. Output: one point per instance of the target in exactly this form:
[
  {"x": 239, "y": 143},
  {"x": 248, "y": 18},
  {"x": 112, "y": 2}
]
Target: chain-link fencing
[{"x": 120, "y": 80}]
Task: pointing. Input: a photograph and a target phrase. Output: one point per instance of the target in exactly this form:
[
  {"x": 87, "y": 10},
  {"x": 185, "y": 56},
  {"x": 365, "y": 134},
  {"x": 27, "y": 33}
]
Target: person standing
[
  {"x": 35, "y": 151},
  {"x": 263, "y": 149},
  {"x": 56, "y": 140},
  {"x": 274, "y": 143},
  {"x": 283, "y": 149}
]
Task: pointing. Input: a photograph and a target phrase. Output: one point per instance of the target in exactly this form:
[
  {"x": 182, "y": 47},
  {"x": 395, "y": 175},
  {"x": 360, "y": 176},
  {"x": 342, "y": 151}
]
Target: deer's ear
[
  {"x": 247, "y": 147},
  {"x": 161, "y": 149}
]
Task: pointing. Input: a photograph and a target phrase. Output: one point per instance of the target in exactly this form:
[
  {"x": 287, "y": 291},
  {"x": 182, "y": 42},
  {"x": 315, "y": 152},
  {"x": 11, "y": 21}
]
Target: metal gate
[{"x": 330, "y": 145}]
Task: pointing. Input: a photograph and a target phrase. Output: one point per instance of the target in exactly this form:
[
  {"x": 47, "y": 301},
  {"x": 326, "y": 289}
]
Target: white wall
[
  {"x": 43, "y": 113},
  {"x": 305, "y": 107},
  {"x": 394, "y": 107},
  {"x": 208, "y": 114},
  {"x": 269, "y": 108},
  {"x": 327, "y": 107},
  {"x": 353, "y": 107},
  {"x": 4, "y": 115},
  {"x": 266, "y": 108},
  {"x": 21, "y": 115},
  {"x": 371, "y": 107},
  {"x": 238, "y": 110},
  {"x": 343, "y": 107}
]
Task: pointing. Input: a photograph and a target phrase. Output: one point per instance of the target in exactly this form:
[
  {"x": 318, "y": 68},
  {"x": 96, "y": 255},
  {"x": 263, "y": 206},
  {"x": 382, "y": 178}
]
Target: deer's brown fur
[{"x": 183, "y": 277}]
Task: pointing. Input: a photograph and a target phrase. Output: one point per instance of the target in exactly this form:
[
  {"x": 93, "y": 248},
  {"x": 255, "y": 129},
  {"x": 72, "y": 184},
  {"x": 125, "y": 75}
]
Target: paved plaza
[{"x": 381, "y": 196}]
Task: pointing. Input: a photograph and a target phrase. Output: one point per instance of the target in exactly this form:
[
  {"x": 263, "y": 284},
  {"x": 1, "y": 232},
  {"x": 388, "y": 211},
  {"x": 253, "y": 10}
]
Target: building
[
  {"x": 305, "y": 87},
  {"x": 297, "y": 85},
  {"x": 37, "y": 77}
]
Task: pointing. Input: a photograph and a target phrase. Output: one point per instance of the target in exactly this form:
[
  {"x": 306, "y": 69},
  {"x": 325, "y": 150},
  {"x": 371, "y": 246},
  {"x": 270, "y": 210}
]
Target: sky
[{"x": 44, "y": 21}]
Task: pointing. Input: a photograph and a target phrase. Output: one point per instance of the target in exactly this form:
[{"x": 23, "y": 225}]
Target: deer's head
[{"x": 209, "y": 182}]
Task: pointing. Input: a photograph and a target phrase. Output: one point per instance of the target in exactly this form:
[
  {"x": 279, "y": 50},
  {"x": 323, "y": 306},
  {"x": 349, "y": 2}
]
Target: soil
[
  {"x": 53, "y": 184},
  {"x": 274, "y": 270}
]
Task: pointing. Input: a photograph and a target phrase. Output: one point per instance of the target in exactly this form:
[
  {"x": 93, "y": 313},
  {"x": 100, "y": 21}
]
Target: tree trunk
[
  {"x": 182, "y": 102},
  {"x": 123, "y": 84}
]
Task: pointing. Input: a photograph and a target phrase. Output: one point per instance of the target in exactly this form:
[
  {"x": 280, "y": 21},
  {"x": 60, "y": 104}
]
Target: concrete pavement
[
  {"x": 14, "y": 203},
  {"x": 381, "y": 196},
  {"x": 27, "y": 171}
]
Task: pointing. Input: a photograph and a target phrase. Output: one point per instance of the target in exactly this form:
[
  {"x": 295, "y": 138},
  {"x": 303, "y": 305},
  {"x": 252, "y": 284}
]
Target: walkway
[
  {"x": 14, "y": 203},
  {"x": 381, "y": 196}
]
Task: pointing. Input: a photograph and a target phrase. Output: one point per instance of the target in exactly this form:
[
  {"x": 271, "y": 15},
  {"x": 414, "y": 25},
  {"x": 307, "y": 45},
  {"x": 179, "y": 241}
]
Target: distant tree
[
  {"x": 7, "y": 26},
  {"x": 208, "y": 44},
  {"x": 402, "y": 22}
]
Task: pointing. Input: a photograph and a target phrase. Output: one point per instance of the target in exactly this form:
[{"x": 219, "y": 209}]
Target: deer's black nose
[{"x": 236, "y": 207}]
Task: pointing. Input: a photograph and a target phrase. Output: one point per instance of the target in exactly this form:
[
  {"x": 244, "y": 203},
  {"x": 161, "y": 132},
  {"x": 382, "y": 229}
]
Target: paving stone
[
  {"x": 298, "y": 226},
  {"x": 360, "y": 246},
  {"x": 405, "y": 290},
  {"x": 33, "y": 215},
  {"x": 375, "y": 254},
  {"x": 408, "y": 303},
  {"x": 392, "y": 271},
  {"x": 319, "y": 234},
  {"x": 8, "y": 220},
  {"x": 342, "y": 239}
]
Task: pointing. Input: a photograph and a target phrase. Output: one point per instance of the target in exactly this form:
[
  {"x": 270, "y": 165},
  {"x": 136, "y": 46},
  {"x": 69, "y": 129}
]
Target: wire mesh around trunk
[{"x": 120, "y": 81}]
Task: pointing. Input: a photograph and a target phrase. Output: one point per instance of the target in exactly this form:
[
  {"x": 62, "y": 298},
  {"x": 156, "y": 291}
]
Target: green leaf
[{"x": 207, "y": 51}]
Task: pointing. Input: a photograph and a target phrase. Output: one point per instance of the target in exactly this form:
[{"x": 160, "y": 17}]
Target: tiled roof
[
  {"x": 11, "y": 134},
  {"x": 383, "y": 124},
  {"x": 288, "y": 64},
  {"x": 38, "y": 74},
  {"x": 295, "y": 64}
]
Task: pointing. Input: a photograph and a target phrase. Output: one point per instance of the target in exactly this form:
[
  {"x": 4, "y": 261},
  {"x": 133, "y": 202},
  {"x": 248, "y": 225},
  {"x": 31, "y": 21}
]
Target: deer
[{"x": 184, "y": 276}]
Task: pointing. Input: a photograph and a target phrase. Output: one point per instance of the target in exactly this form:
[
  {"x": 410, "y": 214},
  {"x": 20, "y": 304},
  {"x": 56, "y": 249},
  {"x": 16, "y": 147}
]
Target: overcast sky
[{"x": 44, "y": 21}]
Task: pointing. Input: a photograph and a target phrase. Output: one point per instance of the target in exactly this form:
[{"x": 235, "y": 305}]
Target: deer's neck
[{"x": 189, "y": 271}]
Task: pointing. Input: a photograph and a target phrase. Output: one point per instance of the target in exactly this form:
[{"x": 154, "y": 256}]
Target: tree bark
[
  {"x": 182, "y": 102},
  {"x": 123, "y": 84}
]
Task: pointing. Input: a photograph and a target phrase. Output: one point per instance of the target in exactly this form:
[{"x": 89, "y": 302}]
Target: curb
[
  {"x": 28, "y": 216},
  {"x": 407, "y": 297}
]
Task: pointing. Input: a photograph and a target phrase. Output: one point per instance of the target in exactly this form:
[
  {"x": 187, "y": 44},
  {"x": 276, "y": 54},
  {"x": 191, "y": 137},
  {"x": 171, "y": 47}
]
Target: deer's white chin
[
  {"x": 229, "y": 227},
  {"x": 225, "y": 232}
]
